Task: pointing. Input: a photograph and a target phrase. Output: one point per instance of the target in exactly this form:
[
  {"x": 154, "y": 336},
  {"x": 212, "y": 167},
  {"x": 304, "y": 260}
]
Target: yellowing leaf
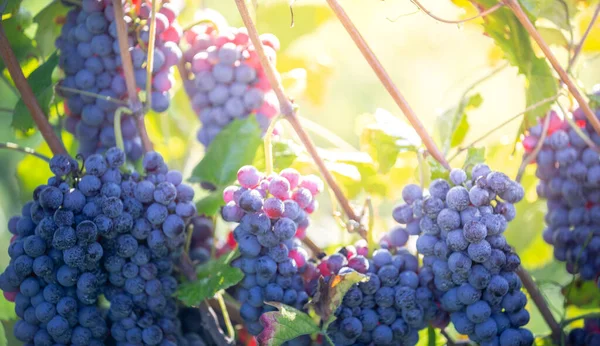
[{"x": 592, "y": 43}]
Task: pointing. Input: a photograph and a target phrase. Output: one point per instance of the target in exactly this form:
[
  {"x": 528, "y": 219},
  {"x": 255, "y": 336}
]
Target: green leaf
[
  {"x": 436, "y": 170},
  {"x": 474, "y": 156},
  {"x": 10, "y": 6},
  {"x": 40, "y": 81},
  {"x": 513, "y": 39},
  {"x": 7, "y": 310},
  {"x": 21, "y": 45},
  {"x": 3, "y": 341},
  {"x": 210, "y": 204},
  {"x": 48, "y": 28},
  {"x": 285, "y": 152},
  {"x": 451, "y": 127},
  {"x": 329, "y": 295},
  {"x": 231, "y": 149},
  {"x": 553, "y": 36},
  {"x": 284, "y": 325},
  {"x": 583, "y": 294},
  {"x": 213, "y": 276},
  {"x": 558, "y": 12},
  {"x": 384, "y": 136}
]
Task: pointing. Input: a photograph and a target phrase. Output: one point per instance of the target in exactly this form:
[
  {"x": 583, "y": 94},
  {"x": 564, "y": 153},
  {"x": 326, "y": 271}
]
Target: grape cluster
[
  {"x": 392, "y": 306},
  {"x": 269, "y": 212},
  {"x": 589, "y": 335},
  {"x": 99, "y": 232},
  {"x": 569, "y": 179},
  {"x": 225, "y": 78},
  {"x": 90, "y": 59},
  {"x": 466, "y": 259}
]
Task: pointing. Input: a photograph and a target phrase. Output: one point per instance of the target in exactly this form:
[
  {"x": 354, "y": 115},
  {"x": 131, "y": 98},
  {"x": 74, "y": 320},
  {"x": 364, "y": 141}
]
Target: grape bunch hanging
[
  {"x": 270, "y": 212},
  {"x": 99, "y": 232},
  {"x": 392, "y": 306},
  {"x": 466, "y": 259},
  {"x": 225, "y": 80},
  {"x": 94, "y": 83},
  {"x": 568, "y": 169}
]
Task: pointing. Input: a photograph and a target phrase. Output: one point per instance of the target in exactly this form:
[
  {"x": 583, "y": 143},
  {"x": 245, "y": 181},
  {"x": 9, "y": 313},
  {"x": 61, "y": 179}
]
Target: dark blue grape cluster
[
  {"x": 271, "y": 256},
  {"x": 225, "y": 79},
  {"x": 392, "y": 306},
  {"x": 99, "y": 232},
  {"x": 202, "y": 239},
  {"x": 589, "y": 335},
  {"x": 569, "y": 179},
  {"x": 466, "y": 259},
  {"x": 90, "y": 59}
]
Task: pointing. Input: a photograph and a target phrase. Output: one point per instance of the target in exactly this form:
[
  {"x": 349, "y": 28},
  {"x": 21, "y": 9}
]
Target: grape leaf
[
  {"x": 21, "y": 45},
  {"x": 436, "y": 170},
  {"x": 3, "y": 341},
  {"x": 9, "y": 6},
  {"x": 210, "y": 204},
  {"x": 558, "y": 12},
  {"x": 48, "y": 20},
  {"x": 513, "y": 39},
  {"x": 583, "y": 294},
  {"x": 213, "y": 276},
  {"x": 384, "y": 136},
  {"x": 284, "y": 325},
  {"x": 234, "y": 147},
  {"x": 7, "y": 310},
  {"x": 474, "y": 156},
  {"x": 285, "y": 152},
  {"x": 329, "y": 295},
  {"x": 40, "y": 81},
  {"x": 451, "y": 127}
]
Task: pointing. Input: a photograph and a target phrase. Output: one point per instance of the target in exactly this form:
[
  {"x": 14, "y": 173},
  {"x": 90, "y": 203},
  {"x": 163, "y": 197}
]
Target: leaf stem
[
  {"x": 91, "y": 94},
  {"x": 458, "y": 21},
  {"x": 324, "y": 333},
  {"x": 225, "y": 313},
  {"x": 150, "y": 58},
  {"x": 387, "y": 82},
  {"x": 528, "y": 25},
  {"x": 26, "y": 150},
  {"x": 117, "y": 126},
  {"x": 583, "y": 38},
  {"x": 540, "y": 302},
  {"x": 268, "y": 144},
  {"x": 40, "y": 119},
  {"x": 288, "y": 110},
  {"x": 449, "y": 340}
]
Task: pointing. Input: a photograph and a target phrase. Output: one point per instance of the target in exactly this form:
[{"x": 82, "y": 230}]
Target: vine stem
[
  {"x": 225, "y": 312},
  {"x": 12, "y": 64},
  {"x": 289, "y": 111},
  {"x": 117, "y": 126},
  {"x": 317, "y": 251},
  {"x": 528, "y": 25},
  {"x": 540, "y": 302},
  {"x": 387, "y": 82},
  {"x": 26, "y": 150},
  {"x": 150, "y": 59},
  {"x": 458, "y": 21},
  {"x": 129, "y": 78},
  {"x": 583, "y": 38}
]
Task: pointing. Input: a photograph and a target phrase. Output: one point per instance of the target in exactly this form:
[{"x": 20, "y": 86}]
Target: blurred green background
[{"x": 432, "y": 63}]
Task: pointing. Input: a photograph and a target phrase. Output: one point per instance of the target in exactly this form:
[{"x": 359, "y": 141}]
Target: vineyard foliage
[{"x": 469, "y": 83}]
